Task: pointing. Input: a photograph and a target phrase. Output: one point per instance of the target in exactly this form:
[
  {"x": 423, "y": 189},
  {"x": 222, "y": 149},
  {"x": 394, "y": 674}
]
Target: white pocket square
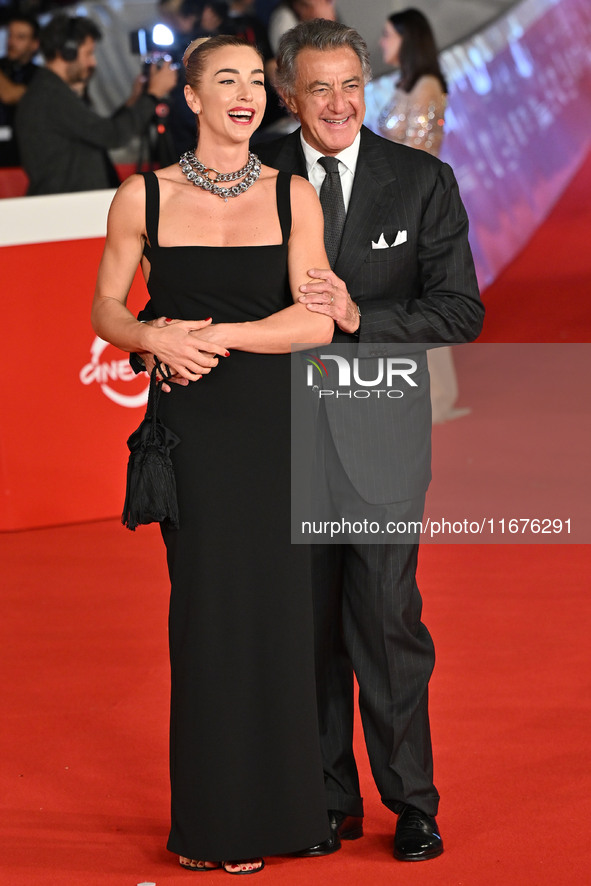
[
  {"x": 401, "y": 237},
  {"x": 381, "y": 244}
]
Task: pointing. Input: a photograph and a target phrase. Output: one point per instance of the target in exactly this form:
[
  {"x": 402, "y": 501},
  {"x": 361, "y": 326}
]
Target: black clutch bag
[{"x": 150, "y": 495}]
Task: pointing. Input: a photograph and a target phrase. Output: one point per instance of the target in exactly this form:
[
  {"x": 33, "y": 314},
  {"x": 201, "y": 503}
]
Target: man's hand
[{"x": 328, "y": 295}]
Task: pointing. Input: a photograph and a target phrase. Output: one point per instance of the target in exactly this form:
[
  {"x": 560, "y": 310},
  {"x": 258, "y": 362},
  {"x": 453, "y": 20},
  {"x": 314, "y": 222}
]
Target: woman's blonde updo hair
[{"x": 198, "y": 51}]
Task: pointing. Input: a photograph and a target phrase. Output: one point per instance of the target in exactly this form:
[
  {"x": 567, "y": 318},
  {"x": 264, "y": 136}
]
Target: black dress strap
[
  {"x": 284, "y": 204},
  {"x": 152, "y": 210}
]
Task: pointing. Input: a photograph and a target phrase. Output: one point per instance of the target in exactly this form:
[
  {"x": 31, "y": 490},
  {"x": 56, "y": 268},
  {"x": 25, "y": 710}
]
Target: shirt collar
[{"x": 348, "y": 157}]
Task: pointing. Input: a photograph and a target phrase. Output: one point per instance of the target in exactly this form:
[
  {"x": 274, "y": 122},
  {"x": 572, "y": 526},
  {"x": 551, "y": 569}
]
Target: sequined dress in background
[{"x": 416, "y": 118}]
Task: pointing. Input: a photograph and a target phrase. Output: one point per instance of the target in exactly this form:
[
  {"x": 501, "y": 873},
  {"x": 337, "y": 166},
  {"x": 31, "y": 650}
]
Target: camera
[{"x": 155, "y": 45}]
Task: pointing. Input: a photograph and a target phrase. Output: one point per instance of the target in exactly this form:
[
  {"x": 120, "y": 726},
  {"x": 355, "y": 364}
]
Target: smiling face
[
  {"x": 328, "y": 98},
  {"x": 230, "y": 96},
  {"x": 390, "y": 43}
]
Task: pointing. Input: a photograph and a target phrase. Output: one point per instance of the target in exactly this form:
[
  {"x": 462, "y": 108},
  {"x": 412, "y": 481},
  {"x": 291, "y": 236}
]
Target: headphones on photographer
[{"x": 69, "y": 51}]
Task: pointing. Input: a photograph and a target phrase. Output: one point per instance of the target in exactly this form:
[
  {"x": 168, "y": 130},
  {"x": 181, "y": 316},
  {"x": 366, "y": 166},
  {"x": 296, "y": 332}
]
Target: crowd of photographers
[{"x": 47, "y": 123}]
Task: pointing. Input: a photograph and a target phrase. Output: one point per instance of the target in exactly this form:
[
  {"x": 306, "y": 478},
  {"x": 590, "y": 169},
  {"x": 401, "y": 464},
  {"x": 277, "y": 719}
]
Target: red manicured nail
[
  {"x": 227, "y": 353},
  {"x": 168, "y": 319}
]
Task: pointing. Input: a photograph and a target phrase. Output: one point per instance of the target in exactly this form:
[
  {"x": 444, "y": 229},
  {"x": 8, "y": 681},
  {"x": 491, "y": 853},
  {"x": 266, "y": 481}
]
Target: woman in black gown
[{"x": 246, "y": 772}]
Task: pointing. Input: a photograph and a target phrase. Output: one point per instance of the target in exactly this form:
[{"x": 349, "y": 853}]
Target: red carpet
[
  {"x": 522, "y": 452},
  {"x": 545, "y": 293},
  {"x": 85, "y": 695}
]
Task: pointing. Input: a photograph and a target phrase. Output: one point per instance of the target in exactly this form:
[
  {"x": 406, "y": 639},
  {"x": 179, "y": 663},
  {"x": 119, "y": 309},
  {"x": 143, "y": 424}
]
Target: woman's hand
[
  {"x": 179, "y": 345},
  {"x": 215, "y": 336},
  {"x": 204, "y": 352}
]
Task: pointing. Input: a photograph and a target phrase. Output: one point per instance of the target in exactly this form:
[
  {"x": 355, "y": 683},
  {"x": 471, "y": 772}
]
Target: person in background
[
  {"x": 16, "y": 72},
  {"x": 194, "y": 18},
  {"x": 291, "y": 12},
  {"x": 245, "y": 23},
  {"x": 415, "y": 117},
  {"x": 285, "y": 16},
  {"x": 62, "y": 142},
  {"x": 415, "y": 114}
]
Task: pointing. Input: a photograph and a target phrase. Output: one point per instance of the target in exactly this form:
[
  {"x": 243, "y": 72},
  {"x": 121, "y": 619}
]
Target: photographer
[{"x": 63, "y": 143}]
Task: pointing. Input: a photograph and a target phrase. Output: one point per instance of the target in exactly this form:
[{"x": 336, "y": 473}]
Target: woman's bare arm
[{"x": 175, "y": 343}]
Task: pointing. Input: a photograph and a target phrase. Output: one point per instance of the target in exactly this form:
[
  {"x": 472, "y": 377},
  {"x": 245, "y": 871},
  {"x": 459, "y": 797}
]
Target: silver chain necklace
[{"x": 197, "y": 173}]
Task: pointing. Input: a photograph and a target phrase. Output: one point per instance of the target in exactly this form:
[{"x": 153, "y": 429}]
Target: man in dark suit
[{"x": 396, "y": 236}]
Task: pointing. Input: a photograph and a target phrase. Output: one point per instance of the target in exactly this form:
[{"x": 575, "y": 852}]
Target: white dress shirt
[{"x": 347, "y": 164}]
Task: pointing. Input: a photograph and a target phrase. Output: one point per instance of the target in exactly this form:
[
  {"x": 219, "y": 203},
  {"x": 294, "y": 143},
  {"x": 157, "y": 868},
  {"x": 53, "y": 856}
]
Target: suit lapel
[
  {"x": 290, "y": 157},
  {"x": 373, "y": 191}
]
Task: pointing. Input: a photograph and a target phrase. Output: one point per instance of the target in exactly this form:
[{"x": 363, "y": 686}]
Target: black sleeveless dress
[{"x": 245, "y": 762}]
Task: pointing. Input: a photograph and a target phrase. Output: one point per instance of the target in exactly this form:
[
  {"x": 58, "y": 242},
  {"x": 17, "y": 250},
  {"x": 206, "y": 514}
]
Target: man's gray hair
[{"x": 316, "y": 34}]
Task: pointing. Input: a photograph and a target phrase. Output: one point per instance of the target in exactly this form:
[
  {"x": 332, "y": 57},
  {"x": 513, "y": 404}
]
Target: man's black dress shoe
[
  {"x": 348, "y": 827},
  {"x": 417, "y": 836},
  {"x": 342, "y": 827},
  {"x": 327, "y": 847}
]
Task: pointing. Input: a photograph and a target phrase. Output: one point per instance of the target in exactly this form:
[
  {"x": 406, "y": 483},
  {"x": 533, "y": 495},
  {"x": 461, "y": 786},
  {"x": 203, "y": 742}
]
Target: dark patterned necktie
[{"x": 333, "y": 207}]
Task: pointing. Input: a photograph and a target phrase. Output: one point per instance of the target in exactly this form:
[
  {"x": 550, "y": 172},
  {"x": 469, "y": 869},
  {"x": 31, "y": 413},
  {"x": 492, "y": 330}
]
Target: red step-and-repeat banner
[{"x": 69, "y": 399}]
